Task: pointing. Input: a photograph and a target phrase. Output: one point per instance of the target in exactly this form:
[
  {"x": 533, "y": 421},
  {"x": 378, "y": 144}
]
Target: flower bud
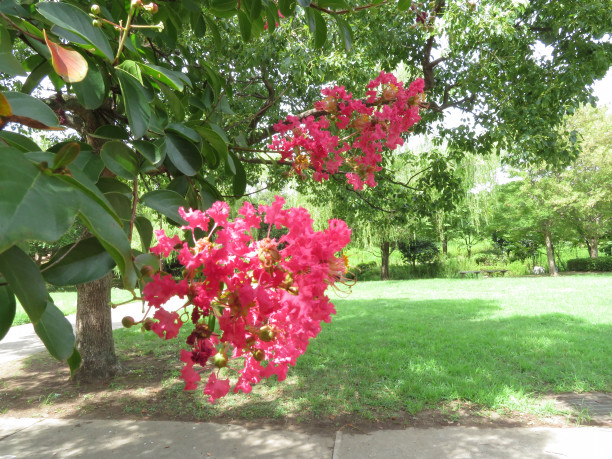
[
  {"x": 96, "y": 23},
  {"x": 266, "y": 333},
  {"x": 220, "y": 360},
  {"x": 95, "y": 9},
  {"x": 151, "y": 7},
  {"x": 148, "y": 322},
  {"x": 127, "y": 321},
  {"x": 259, "y": 355}
]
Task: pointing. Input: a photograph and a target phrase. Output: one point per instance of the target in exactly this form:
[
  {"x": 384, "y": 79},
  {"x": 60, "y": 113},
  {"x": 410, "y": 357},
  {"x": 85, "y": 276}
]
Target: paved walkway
[{"x": 45, "y": 438}]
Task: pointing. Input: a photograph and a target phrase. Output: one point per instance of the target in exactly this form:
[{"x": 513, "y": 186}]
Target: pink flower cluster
[
  {"x": 352, "y": 132},
  {"x": 256, "y": 303}
]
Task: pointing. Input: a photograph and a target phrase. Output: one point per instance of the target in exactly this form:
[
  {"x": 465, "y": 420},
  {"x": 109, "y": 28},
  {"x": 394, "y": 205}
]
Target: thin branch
[
  {"x": 246, "y": 194},
  {"x": 351, "y": 10},
  {"x": 66, "y": 253},
  {"x": 134, "y": 204}
]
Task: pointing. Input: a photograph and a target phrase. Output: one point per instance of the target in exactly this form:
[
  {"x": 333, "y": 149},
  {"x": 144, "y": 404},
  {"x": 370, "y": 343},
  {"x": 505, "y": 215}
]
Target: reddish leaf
[{"x": 67, "y": 63}]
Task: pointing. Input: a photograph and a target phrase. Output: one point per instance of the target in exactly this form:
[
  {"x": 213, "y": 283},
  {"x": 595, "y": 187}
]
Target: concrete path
[
  {"x": 46, "y": 438},
  {"x": 22, "y": 341}
]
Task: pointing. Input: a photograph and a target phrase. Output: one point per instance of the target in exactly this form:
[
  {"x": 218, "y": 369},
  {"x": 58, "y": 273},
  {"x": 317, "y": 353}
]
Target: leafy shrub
[
  {"x": 590, "y": 264},
  {"x": 365, "y": 271},
  {"x": 418, "y": 250}
]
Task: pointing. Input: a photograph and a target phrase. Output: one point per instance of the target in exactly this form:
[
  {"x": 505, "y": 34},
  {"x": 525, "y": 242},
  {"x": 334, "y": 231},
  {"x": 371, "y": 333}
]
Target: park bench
[{"x": 483, "y": 272}]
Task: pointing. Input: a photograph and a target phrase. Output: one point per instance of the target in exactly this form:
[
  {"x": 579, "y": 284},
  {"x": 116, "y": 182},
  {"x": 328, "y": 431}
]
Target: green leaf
[
  {"x": 214, "y": 139},
  {"x": 166, "y": 202},
  {"x": 32, "y": 205},
  {"x": 178, "y": 110},
  {"x": 256, "y": 8},
  {"x": 171, "y": 78},
  {"x": 185, "y": 132},
  {"x": 10, "y": 65},
  {"x": 286, "y": 7},
  {"x": 230, "y": 167},
  {"x": 7, "y": 309},
  {"x": 89, "y": 163},
  {"x": 272, "y": 16},
  {"x": 183, "y": 154},
  {"x": 214, "y": 30},
  {"x": 149, "y": 150},
  {"x": 208, "y": 193},
  {"x": 137, "y": 108},
  {"x": 91, "y": 92},
  {"x": 25, "y": 281},
  {"x": 84, "y": 262},
  {"x": 36, "y": 76},
  {"x": 74, "y": 361},
  {"x": 30, "y": 107},
  {"x": 11, "y": 7},
  {"x": 132, "y": 68},
  {"x": 245, "y": 26},
  {"x": 111, "y": 235},
  {"x": 224, "y": 106},
  {"x": 320, "y": 34},
  {"x": 403, "y": 5},
  {"x": 55, "y": 332},
  {"x": 145, "y": 230},
  {"x": 67, "y": 154},
  {"x": 18, "y": 141},
  {"x": 75, "y": 20},
  {"x": 147, "y": 259},
  {"x": 112, "y": 185},
  {"x": 240, "y": 182},
  {"x": 121, "y": 204},
  {"x": 112, "y": 132},
  {"x": 210, "y": 155},
  {"x": 336, "y": 4},
  {"x": 120, "y": 159},
  {"x": 345, "y": 32}
]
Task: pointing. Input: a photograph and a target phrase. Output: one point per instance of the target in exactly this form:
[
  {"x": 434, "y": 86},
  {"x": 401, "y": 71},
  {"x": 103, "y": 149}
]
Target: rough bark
[
  {"x": 445, "y": 245},
  {"x": 550, "y": 254},
  {"x": 593, "y": 247},
  {"x": 384, "y": 265},
  {"x": 94, "y": 332}
]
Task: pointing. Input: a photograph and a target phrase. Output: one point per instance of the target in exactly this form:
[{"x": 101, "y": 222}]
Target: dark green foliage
[
  {"x": 590, "y": 264},
  {"x": 418, "y": 251}
]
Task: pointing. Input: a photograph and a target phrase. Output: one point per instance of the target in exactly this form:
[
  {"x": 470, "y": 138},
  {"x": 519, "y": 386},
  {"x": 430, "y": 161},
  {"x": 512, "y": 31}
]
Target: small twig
[
  {"x": 67, "y": 252},
  {"x": 243, "y": 195},
  {"x": 134, "y": 203}
]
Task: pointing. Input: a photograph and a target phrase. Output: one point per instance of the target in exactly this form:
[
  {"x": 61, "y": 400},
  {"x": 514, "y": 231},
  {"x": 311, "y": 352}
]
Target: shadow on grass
[{"x": 377, "y": 357}]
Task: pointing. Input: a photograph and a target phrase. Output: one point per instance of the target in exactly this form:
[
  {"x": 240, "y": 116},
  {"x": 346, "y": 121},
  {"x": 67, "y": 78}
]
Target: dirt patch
[{"x": 40, "y": 387}]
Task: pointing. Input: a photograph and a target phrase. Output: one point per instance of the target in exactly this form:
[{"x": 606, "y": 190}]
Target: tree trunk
[
  {"x": 550, "y": 254},
  {"x": 94, "y": 332},
  {"x": 593, "y": 247},
  {"x": 445, "y": 245},
  {"x": 384, "y": 265}
]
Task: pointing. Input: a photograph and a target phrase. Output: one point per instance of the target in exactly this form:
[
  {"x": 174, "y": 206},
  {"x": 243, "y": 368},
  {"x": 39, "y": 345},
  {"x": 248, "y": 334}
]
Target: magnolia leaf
[
  {"x": 120, "y": 159},
  {"x": 77, "y": 21},
  {"x": 67, "y": 63},
  {"x": 55, "y": 332},
  {"x": 166, "y": 202},
  {"x": 67, "y": 154},
  {"x": 137, "y": 107},
  {"x": 7, "y": 308},
  {"x": 29, "y": 111},
  {"x": 5, "y": 106},
  {"x": 25, "y": 281},
  {"x": 76, "y": 264},
  {"x": 33, "y": 205}
]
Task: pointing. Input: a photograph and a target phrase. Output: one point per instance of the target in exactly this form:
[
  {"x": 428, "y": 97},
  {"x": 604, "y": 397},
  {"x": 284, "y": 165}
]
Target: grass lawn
[
  {"x": 66, "y": 302},
  {"x": 495, "y": 344}
]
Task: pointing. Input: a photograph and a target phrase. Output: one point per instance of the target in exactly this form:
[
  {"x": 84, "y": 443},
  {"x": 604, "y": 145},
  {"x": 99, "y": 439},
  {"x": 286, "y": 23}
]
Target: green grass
[
  {"x": 497, "y": 343},
  {"x": 66, "y": 301}
]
